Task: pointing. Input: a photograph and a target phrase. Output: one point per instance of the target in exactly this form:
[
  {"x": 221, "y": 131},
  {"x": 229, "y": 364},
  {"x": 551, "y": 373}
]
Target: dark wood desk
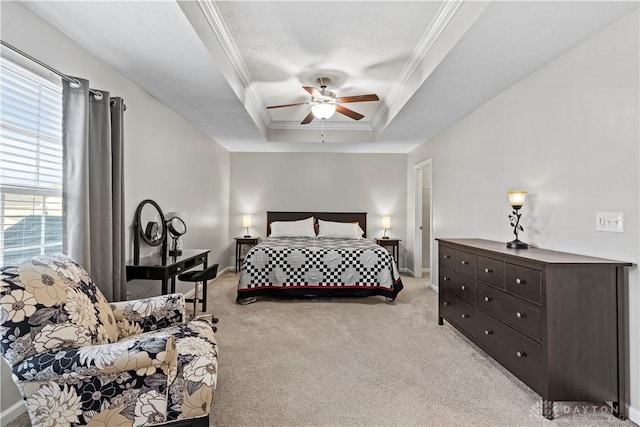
[{"x": 156, "y": 267}]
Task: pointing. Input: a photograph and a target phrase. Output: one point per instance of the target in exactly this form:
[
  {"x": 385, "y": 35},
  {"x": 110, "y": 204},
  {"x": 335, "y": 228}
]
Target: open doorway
[{"x": 423, "y": 223}]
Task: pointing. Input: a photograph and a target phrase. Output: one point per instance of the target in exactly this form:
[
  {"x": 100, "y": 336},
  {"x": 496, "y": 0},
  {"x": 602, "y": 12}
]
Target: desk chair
[{"x": 200, "y": 276}]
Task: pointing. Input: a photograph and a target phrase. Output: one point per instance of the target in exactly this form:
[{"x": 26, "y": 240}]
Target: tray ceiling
[{"x": 219, "y": 64}]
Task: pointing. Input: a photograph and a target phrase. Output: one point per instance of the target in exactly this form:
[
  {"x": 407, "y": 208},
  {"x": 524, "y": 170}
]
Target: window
[{"x": 30, "y": 163}]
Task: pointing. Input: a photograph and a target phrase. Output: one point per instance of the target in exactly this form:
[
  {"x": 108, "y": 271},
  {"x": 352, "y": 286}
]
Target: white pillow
[
  {"x": 340, "y": 230},
  {"x": 302, "y": 228}
]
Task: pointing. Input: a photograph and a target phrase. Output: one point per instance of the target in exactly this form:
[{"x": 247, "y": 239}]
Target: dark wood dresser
[{"x": 555, "y": 320}]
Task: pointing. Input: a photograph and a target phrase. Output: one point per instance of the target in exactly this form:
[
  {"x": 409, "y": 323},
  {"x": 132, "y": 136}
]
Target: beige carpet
[{"x": 363, "y": 362}]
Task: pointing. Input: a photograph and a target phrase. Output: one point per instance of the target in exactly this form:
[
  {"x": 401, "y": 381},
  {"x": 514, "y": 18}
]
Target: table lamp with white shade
[
  {"x": 386, "y": 224},
  {"x": 246, "y": 222}
]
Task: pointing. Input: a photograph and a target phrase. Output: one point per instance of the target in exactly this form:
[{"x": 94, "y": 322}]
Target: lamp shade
[
  {"x": 246, "y": 220},
  {"x": 516, "y": 198},
  {"x": 323, "y": 110},
  {"x": 386, "y": 222}
]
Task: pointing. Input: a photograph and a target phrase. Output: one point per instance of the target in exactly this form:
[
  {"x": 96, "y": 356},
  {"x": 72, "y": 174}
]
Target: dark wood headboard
[{"x": 360, "y": 217}]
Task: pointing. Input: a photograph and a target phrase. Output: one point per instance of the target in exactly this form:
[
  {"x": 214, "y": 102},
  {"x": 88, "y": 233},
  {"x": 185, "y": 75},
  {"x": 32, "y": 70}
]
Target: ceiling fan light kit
[
  {"x": 323, "y": 110},
  {"x": 325, "y": 103}
]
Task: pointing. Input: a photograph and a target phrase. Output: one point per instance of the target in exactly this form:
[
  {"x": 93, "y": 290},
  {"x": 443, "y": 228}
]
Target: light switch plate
[{"x": 612, "y": 222}]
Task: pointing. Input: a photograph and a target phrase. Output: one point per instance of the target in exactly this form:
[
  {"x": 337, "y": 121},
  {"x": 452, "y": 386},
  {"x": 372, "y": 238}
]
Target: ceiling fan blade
[
  {"x": 307, "y": 119},
  {"x": 359, "y": 98},
  {"x": 312, "y": 91},
  {"x": 349, "y": 113},
  {"x": 286, "y": 105}
]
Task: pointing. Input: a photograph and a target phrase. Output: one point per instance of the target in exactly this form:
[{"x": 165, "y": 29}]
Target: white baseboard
[
  {"x": 634, "y": 415},
  {"x": 406, "y": 271},
  {"x": 426, "y": 270},
  {"x": 12, "y": 412},
  {"x": 434, "y": 287},
  {"x": 225, "y": 270}
]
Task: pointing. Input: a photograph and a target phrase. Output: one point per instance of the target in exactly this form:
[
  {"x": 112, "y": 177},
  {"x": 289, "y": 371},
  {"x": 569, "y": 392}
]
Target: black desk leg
[
  {"x": 173, "y": 285},
  {"x": 204, "y": 289},
  {"x": 165, "y": 284}
]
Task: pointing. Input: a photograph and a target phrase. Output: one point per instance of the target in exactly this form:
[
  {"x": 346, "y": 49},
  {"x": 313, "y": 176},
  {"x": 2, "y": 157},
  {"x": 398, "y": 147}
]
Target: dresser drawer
[
  {"x": 466, "y": 263},
  {"x": 519, "y": 354},
  {"x": 458, "y": 311},
  {"x": 523, "y": 281},
  {"x": 513, "y": 311},
  {"x": 490, "y": 271},
  {"x": 456, "y": 283},
  {"x": 447, "y": 257}
]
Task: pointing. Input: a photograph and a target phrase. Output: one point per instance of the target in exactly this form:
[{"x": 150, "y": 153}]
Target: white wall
[
  {"x": 373, "y": 183},
  {"x": 569, "y": 134},
  {"x": 166, "y": 159}
]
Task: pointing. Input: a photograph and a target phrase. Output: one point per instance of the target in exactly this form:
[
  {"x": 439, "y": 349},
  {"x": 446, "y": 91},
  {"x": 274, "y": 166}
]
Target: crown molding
[
  {"x": 217, "y": 25},
  {"x": 435, "y": 43},
  {"x": 428, "y": 39},
  {"x": 317, "y": 125}
]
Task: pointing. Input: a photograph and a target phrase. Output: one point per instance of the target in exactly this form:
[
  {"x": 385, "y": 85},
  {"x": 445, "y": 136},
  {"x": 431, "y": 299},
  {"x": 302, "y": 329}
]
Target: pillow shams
[
  {"x": 340, "y": 230},
  {"x": 302, "y": 228}
]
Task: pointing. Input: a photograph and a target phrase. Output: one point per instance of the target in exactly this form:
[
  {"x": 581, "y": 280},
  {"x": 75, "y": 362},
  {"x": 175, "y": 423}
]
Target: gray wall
[
  {"x": 569, "y": 134},
  {"x": 426, "y": 217},
  {"x": 166, "y": 159},
  {"x": 373, "y": 183}
]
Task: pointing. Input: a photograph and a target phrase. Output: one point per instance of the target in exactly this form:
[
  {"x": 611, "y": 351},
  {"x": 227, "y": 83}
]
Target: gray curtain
[{"x": 93, "y": 185}]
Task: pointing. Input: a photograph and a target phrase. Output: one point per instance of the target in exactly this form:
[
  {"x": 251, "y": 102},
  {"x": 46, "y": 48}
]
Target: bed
[{"x": 311, "y": 266}]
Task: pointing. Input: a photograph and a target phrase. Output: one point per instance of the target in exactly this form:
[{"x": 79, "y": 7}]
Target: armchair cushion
[
  {"x": 144, "y": 354},
  {"x": 149, "y": 314},
  {"x": 141, "y": 380},
  {"x": 51, "y": 302}
]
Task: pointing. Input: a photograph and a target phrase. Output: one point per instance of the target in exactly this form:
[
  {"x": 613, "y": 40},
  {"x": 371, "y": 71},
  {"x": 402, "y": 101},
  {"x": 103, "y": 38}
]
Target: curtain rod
[{"x": 71, "y": 80}]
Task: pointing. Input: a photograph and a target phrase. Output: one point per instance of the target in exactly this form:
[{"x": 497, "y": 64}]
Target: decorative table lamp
[
  {"x": 246, "y": 222},
  {"x": 386, "y": 224},
  {"x": 516, "y": 200}
]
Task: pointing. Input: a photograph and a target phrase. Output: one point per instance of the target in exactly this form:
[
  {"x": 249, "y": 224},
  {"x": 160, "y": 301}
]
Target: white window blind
[{"x": 30, "y": 164}]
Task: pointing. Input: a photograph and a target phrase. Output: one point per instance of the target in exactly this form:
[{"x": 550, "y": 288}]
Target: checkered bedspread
[{"x": 318, "y": 267}]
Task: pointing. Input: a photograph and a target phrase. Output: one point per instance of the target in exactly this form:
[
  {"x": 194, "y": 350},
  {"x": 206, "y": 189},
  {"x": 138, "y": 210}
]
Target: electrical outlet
[{"x": 612, "y": 222}]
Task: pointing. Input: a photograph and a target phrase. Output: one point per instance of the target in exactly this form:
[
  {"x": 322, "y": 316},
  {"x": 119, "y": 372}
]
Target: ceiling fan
[{"x": 325, "y": 103}]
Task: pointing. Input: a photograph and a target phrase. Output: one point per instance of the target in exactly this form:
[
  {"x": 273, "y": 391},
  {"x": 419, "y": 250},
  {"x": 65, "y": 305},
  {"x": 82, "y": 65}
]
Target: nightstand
[
  {"x": 240, "y": 242},
  {"x": 390, "y": 243}
]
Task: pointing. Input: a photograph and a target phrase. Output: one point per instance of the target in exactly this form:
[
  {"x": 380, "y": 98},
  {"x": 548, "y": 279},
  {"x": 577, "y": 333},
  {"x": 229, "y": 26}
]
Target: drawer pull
[
  {"x": 487, "y": 299},
  {"x": 488, "y": 270},
  {"x": 465, "y": 316},
  {"x": 463, "y": 262},
  {"x": 520, "y": 281},
  {"x": 178, "y": 269},
  {"x": 464, "y": 287},
  {"x": 519, "y": 315},
  {"x": 445, "y": 278},
  {"x": 488, "y": 332},
  {"x": 445, "y": 303},
  {"x": 521, "y": 354},
  {"x": 446, "y": 256}
]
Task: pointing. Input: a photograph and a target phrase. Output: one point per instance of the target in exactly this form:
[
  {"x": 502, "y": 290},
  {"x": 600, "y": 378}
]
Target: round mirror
[
  {"x": 150, "y": 223},
  {"x": 176, "y": 226}
]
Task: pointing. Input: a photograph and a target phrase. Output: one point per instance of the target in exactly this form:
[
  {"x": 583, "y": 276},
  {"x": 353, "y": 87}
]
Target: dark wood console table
[{"x": 165, "y": 268}]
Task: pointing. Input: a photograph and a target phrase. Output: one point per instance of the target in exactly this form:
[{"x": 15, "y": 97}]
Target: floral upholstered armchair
[{"x": 80, "y": 361}]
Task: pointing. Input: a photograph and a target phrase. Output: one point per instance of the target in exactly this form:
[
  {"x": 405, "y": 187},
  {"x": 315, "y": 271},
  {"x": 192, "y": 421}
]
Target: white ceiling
[{"x": 219, "y": 64}]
